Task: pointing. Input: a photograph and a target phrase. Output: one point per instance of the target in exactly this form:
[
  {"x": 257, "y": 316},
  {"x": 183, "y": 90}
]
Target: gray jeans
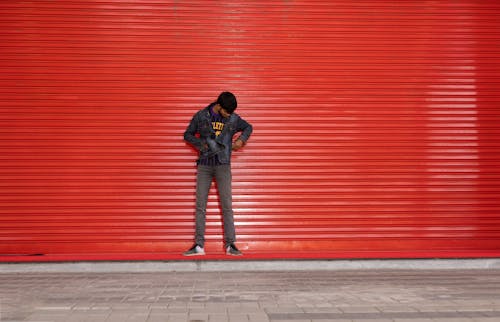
[{"x": 204, "y": 177}]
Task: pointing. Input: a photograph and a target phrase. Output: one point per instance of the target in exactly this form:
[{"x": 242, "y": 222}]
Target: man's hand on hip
[{"x": 238, "y": 144}]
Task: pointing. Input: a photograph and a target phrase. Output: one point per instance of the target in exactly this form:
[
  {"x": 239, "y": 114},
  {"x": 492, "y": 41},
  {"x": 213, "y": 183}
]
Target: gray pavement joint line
[{"x": 382, "y": 315}]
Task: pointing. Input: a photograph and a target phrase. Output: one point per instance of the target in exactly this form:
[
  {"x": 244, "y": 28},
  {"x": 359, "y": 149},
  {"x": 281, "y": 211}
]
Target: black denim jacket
[{"x": 208, "y": 144}]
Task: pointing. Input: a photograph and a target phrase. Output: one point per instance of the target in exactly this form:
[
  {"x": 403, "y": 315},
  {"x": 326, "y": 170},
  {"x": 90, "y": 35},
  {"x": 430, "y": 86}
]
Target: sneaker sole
[{"x": 195, "y": 254}]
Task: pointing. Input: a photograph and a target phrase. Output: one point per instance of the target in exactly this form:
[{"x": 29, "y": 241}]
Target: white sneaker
[
  {"x": 196, "y": 250},
  {"x": 232, "y": 250}
]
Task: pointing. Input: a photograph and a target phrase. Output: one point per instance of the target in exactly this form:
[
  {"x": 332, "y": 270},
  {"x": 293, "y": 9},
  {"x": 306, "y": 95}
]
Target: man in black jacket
[{"x": 216, "y": 125}]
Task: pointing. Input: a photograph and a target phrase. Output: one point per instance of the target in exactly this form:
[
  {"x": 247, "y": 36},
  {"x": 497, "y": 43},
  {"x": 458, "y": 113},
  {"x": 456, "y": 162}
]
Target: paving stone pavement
[{"x": 277, "y": 296}]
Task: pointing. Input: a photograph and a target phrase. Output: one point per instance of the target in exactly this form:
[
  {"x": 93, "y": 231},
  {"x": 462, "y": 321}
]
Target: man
[{"x": 216, "y": 125}]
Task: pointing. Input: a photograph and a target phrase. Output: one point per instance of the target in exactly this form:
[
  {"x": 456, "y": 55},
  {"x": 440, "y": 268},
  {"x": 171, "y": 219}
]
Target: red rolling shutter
[{"x": 375, "y": 127}]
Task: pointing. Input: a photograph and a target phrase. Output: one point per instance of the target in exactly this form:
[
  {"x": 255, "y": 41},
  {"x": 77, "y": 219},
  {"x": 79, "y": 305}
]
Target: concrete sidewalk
[
  {"x": 200, "y": 264},
  {"x": 252, "y": 296}
]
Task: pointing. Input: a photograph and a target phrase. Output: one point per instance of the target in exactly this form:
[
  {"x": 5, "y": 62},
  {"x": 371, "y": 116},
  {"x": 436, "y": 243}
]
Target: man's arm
[
  {"x": 246, "y": 129},
  {"x": 190, "y": 134}
]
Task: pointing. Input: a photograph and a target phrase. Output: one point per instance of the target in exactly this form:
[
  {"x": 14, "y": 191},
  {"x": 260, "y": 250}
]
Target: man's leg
[
  {"x": 203, "y": 180},
  {"x": 223, "y": 177}
]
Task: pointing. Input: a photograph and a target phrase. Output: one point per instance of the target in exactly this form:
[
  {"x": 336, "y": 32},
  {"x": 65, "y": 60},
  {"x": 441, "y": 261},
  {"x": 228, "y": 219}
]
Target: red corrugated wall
[{"x": 376, "y": 127}]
